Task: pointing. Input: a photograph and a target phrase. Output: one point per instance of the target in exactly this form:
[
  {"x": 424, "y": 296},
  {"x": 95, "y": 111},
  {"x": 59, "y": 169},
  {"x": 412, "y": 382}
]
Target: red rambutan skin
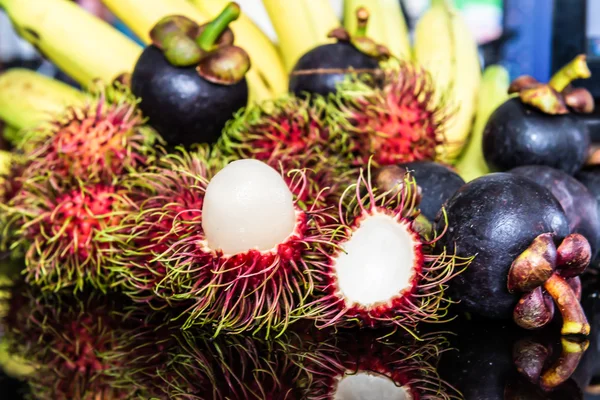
[
  {"x": 97, "y": 141},
  {"x": 422, "y": 300},
  {"x": 288, "y": 127},
  {"x": 395, "y": 121},
  {"x": 59, "y": 233}
]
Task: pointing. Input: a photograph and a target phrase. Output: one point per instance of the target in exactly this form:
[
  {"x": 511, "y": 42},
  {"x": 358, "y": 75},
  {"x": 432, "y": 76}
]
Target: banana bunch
[
  {"x": 80, "y": 44},
  {"x": 266, "y": 78},
  {"x": 301, "y": 25},
  {"x": 387, "y": 24},
  {"x": 445, "y": 46},
  {"x": 493, "y": 92}
]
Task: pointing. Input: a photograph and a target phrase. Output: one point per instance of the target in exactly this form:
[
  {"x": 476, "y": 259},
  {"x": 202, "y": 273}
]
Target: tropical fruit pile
[{"x": 347, "y": 179}]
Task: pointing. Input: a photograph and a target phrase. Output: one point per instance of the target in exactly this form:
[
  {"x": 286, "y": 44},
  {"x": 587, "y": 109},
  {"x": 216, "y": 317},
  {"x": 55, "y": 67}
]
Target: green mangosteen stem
[
  {"x": 576, "y": 69},
  {"x": 565, "y": 365},
  {"x": 574, "y": 319},
  {"x": 362, "y": 16},
  {"x": 216, "y": 27}
]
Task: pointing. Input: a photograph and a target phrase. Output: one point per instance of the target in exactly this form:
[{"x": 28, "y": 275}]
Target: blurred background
[{"x": 526, "y": 36}]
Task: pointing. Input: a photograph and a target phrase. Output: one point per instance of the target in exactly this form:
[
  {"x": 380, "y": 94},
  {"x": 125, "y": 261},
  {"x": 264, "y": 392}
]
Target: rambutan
[
  {"x": 84, "y": 346},
  {"x": 58, "y": 232},
  {"x": 288, "y": 127},
  {"x": 235, "y": 241},
  {"x": 382, "y": 267},
  {"x": 393, "y": 117},
  {"x": 98, "y": 141}
]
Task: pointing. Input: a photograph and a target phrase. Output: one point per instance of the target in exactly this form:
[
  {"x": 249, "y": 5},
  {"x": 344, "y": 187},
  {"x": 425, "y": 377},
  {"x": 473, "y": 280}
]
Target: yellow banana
[
  {"x": 141, "y": 15},
  {"x": 262, "y": 51},
  {"x": 301, "y": 25},
  {"x": 445, "y": 46},
  {"x": 82, "y": 45},
  {"x": 28, "y": 98},
  {"x": 387, "y": 24},
  {"x": 492, "y": 93}
]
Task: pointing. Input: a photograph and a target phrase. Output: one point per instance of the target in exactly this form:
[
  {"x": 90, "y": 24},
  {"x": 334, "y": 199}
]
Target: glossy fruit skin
[
  {"x": 576, "y": 200},
  {"x": 437, "y": 182},
  {"x": 496, "y": 217},
  {"x": 517, "y": 134},
  {"x": 339, "y": 55},
  {"x": 182, "y": 106}
]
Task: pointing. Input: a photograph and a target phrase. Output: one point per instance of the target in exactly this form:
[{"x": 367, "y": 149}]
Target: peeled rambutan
[
  {"x": 393, "y": 117},
  {"x": 102, "y": 139},
  {"x": 235, "y": 241},
  {"x": 382, "y": 267},
  {"x": 85, "y": 346},
  {"x": 58, "y": 232}
]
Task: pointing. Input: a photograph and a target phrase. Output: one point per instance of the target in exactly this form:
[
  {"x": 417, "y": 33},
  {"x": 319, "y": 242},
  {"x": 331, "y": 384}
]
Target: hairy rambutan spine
[
  {"x": 98, "y": 141},
  {"x": 423, "y": 301},
  {"x": 394, "y": 117},
  {"x": 58, "y": 232},
  {"x": 286, "y": 127}
]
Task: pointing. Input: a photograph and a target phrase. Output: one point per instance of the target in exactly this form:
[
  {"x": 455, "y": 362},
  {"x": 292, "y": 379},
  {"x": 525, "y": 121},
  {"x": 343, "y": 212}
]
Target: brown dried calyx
[
  {"x": 548, "y": 277},
  {"x": 531, "y": 358},
  {"x": 359, "y": 40},
  {"x": 210, "y": 47},
  {"x": 557, "y": 97}
]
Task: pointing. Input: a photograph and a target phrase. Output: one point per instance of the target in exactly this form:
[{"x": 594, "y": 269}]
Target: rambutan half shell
[
  {"x": 380, "y": 270},
  {"x": 98, "y": 141},
  {"x": 166, "y": 251},
  {"x": 59, "y": 230},
  {"x": 395, "y": 118}
]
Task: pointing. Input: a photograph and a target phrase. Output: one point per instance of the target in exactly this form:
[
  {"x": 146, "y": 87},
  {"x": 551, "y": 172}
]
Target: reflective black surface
[{"x": 102, "y": 346}]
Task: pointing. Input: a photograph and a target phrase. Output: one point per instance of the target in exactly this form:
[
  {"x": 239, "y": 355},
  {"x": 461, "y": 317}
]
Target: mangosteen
[
  {"x": 436, "y": 182},
  {"x": 578, "y": 203},
  {"x": 191, "y": 80},
  {"x": 541, "y": 125},
  {"x": 590, "y": 177},
  {"x": 512, "y": 226},
  {"x": 322, "y": 68}
]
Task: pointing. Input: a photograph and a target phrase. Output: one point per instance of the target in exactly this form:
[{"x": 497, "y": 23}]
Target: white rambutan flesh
[
  {"x": 368, "y": 386},
  {"x": 247, "y": 206},
  {"x": 377, "y": 262}
]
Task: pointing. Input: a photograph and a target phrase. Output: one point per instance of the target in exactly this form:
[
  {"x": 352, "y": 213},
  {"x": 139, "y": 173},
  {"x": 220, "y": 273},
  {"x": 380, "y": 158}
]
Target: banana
[
  {"x": 387, "y": 24},
  {"x": 493, "y": 92},
  {"x": 445, "y": 46},
  {"x": 28, "y": 98},
  {"x": 141, "y": 15},
  {"x": 301, "y": 25},
  {"x": 82, "y": 45},
  {"x": 251, "y": 38}
]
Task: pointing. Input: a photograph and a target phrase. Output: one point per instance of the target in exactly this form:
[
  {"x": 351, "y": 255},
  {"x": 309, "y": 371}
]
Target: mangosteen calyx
[
  {"x": 544, "y": 273},
  {"x": 557, "y": 97},
  {"x": 210, "y": 47},
  {"x": 359, "y": 40}
]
